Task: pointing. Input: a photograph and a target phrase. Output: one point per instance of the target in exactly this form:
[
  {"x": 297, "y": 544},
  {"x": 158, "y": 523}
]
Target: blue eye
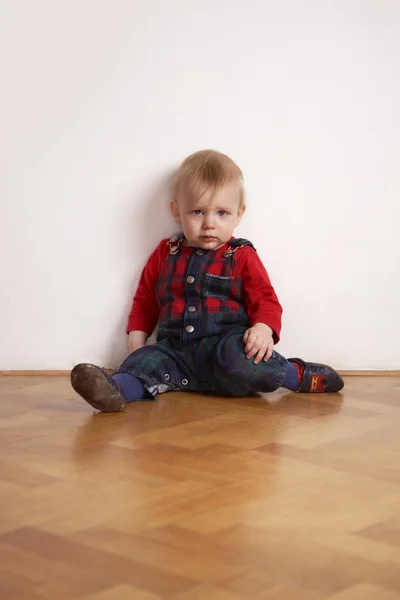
[
  {"x": 197, "y": 212},
  {"x": 222, "y": 213}
]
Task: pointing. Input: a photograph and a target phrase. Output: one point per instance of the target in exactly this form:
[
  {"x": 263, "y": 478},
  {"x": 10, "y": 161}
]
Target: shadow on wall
[{"x": 143, "y": 227}]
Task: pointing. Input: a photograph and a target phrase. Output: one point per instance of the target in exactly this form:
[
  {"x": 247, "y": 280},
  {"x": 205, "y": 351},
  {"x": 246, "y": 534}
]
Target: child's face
[{"x": 208, "y": 221}]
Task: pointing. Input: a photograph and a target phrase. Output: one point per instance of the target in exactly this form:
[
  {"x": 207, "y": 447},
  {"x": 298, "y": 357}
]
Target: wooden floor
[{"x": 285, "y": 497}]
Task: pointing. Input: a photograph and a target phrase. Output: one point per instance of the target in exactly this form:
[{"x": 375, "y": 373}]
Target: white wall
[{"x": 101, "y": 100}]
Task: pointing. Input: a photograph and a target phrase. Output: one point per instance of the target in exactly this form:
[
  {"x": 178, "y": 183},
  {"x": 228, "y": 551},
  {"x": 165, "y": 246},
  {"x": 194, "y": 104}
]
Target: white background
[{"x": 101, "y": 100}]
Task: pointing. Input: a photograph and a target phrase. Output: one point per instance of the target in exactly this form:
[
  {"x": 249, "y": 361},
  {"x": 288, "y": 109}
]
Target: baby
[{"x": 218, "y": 315}]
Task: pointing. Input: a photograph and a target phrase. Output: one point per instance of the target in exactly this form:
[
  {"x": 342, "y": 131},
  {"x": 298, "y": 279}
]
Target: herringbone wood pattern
[{"x": 285, "y": 497}]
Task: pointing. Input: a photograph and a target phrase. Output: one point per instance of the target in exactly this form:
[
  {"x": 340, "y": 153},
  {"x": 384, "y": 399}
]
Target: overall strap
[
  {"x": 174, "y": 242},
  {"x": 236, "y": 244}
]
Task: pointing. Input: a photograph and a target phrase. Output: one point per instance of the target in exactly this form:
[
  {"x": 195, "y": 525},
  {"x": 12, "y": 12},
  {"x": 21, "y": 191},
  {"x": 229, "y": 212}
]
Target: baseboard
[
  {"x": 361, "y": 373},
  {"x": 57, "y": 373},
  {"x": 43, "y": 373}
]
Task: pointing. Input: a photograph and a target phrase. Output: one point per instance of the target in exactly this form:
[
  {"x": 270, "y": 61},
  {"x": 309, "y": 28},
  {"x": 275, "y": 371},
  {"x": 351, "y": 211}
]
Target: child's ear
[
  {"x": 240, "y": 214},
  {"x": 175, "y": 211}
]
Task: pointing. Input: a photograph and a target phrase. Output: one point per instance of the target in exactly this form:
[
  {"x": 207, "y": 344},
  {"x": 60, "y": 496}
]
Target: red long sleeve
[
  {"x": 145, "y": 309},
  {"x": 260, "y": 299}
]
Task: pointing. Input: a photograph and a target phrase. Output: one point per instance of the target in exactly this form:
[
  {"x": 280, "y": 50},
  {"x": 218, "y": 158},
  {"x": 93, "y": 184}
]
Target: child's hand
[{"x": 258, "y": 340}]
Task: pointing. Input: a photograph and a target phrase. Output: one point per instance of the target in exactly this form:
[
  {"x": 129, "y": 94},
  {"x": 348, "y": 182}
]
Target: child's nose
[{"x": 208, "y": 223}]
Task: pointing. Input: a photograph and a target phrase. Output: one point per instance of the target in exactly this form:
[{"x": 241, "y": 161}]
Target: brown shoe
[{"x": 97, "y": 388}]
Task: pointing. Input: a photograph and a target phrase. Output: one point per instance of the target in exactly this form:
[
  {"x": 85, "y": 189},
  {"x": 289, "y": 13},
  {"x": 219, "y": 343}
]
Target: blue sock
[
  {"x": 130, "y": 387},
  {"x": 291, "y": 381}
]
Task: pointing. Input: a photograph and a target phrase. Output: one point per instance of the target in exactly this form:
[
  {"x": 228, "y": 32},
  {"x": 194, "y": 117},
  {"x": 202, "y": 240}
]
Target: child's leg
[
  {"x": 144, "y": 373},
  {"x": 130, "y": 387},
  {"x": 105, "y": 393},
  {"x": 293, "y": 376},
  {"x": 238, "y": 373}
]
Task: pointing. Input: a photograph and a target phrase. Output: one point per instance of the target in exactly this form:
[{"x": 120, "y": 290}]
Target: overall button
[
  {"x": 167, "y": 376},
  {"x": 190, "y": 279},
  {"x": 192, "y": 309},
  {"x": 190, "y": 328},
  {"x": 199, "y": 252},
  {"x": 184, "y": 382}
]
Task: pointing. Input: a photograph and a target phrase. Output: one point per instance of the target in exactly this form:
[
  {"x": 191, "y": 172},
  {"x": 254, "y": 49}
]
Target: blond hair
[{"x": 208, "y": 169}]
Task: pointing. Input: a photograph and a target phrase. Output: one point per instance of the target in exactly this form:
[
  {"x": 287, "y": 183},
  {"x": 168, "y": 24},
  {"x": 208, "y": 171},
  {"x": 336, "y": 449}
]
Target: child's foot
[
  {"x": 316, "y": 378},
  {"x": 97, "y": 388}
]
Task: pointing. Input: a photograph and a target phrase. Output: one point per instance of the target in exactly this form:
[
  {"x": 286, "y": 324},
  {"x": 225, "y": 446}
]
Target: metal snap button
[
  {"x": 167, "y": 376},
  {"x": 190, "y": 328},
  {"x": 192, "y": 309},
  {"x": 184, "y": 382},
  {"x": 190, "y": 279},
  {"x": 199, "y": 252}
]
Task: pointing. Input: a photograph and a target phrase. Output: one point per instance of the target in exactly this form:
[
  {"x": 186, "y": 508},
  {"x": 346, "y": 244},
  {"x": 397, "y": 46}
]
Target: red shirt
[{"x": 165, "y": 291}]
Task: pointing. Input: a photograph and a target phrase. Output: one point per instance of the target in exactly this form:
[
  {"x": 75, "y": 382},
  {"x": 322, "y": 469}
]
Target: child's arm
[
  {"x": 145, "y": 308},
  {"x": 262, "y": 306},
  {"x": 136, "y": 339},
  {"x": 261, "y": 302}
]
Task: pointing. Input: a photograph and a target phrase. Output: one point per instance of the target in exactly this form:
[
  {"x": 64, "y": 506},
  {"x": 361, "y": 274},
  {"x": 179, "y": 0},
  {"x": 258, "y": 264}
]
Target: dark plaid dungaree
[{"x": 204, "y": 351}]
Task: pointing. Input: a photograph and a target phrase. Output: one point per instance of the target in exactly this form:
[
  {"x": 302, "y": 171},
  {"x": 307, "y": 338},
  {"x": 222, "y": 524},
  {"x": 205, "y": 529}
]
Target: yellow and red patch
[{"x": 316, "y": 384}]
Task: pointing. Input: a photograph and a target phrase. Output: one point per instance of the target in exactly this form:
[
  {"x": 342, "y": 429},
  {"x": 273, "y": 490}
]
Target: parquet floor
[{"x": 288, "y": 497}]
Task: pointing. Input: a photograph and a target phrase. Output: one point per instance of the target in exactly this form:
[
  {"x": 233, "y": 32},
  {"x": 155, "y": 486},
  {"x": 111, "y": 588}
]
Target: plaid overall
[{"x": 204, "y": 350}]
